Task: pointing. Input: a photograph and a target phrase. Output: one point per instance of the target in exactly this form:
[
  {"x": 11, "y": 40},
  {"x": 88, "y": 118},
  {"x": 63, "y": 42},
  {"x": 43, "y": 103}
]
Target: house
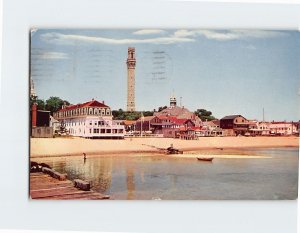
[
  {"x": 259, "y": 128},
  {"x": 148, "y": 123},
  {"x": 283, "y": 128},
  {"x": 170, "y": 126},
  {"x": 234, "y": 125},
  {"x": 92, "y": 119},
  {"x": 209, "y": 129},
  {"x": 129, "y": 125},
  {"x": 188, "y": 132}
]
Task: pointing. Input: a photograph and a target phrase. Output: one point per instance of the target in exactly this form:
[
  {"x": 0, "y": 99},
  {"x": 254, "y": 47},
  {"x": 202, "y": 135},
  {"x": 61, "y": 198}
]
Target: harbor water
[{"x": 161, "y": 177}]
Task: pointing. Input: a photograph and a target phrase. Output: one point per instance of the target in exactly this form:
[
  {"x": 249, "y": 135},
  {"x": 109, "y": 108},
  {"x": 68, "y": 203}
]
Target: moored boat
[{"x": 205, "y": 159}]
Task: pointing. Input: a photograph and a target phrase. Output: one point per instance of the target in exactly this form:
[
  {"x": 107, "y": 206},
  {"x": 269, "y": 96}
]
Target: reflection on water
[{"x": 162, "y": 177}]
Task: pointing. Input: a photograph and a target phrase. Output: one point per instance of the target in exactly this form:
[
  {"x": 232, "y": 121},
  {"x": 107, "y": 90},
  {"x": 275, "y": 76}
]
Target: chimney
[
  {"x": 33, "y": 115},
  {"x": 103, "y": 102}
]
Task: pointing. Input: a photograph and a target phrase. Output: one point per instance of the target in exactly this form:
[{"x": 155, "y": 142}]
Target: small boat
[{"x": 205, "y": 159}]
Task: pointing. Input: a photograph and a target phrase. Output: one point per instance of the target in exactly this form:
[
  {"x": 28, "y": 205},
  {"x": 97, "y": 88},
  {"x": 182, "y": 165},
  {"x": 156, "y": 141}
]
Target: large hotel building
[{"x": 92, "y": 119}]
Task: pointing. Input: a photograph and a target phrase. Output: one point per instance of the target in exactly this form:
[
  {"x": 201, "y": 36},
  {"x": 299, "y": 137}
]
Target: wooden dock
[{"x": 44, "y": 187}]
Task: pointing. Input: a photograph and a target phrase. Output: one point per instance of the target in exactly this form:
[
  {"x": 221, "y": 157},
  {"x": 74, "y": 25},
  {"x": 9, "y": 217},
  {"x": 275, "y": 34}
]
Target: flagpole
[{"x": 142, "y": 117}]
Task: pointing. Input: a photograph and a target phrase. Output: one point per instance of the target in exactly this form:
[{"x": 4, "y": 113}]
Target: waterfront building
[
  {"x": 148, "y": 123},
  {"x": 179, "y": 112},
  {"x": 234, "y": 125},
  {"x": 170, "y": 126},
  {"x": 209, "y": 129},
  {"x": 131, "y": 62},
  {"x": 92, "y": 119},
  {"x": 259, "y": 128},
  {"x": 283, "y": 128}
]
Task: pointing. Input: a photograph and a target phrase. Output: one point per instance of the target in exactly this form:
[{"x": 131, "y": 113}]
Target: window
[
  {"x": 90, "y": 130},
  {"x": 108, "y": 131},
  {"x": 91, "y": 123},
  {"x": 102, "y": 130},
  {"x": 96, "y": 130}
]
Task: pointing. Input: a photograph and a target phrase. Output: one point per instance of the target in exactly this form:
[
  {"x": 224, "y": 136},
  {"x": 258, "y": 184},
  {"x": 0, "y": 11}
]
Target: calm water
[{"x": 162, "y": 177}]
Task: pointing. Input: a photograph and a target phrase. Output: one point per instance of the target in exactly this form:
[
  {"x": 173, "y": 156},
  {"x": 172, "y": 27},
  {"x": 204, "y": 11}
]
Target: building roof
[
  {"x": 180, "y": 121},
  {"x": 216, "y": 122},
  {"x": 92, "y": 103},
  {"x": 179, "y": 112},
  {"x": 128, "y": 122},
  {"x": 231, "y": 117},
  {"x": 283, "y": 122},
  {"x": 209, "y": 123},
  {"x": 147, "y": 118}
]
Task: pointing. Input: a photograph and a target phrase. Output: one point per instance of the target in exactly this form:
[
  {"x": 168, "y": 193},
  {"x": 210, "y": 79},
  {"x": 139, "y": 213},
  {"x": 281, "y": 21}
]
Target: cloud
[
  {"x": 179, "y": 36},
  {"x": 51, "y": 56},
  {"x": 225, "y": 35},
  {"x": 148, "y": 32},
  {"x": 59, "y": 38}
]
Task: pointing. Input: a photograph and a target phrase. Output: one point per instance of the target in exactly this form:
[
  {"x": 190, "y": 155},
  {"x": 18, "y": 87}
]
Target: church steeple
[{"x": 32, "y": 90}]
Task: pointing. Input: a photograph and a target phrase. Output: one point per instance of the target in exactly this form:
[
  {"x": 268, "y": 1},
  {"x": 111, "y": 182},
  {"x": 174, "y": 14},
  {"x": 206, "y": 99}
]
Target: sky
[{"x": 224, "y": 71}]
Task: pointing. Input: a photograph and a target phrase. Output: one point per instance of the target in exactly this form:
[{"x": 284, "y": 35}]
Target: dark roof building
[{"x": 236, "y": 123}]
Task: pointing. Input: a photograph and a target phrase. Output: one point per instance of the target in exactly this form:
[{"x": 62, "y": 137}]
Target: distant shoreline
[{"x": 61, "y": 147}]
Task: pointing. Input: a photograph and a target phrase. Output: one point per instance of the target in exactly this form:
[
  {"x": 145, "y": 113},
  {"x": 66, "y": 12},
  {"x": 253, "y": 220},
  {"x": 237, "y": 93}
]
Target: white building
[
  {"x": 283, "y": 128},
  {"x": 90, "y": 120}
]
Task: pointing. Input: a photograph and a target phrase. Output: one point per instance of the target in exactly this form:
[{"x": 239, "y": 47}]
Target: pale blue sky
[{"x": 225, "y": 71}]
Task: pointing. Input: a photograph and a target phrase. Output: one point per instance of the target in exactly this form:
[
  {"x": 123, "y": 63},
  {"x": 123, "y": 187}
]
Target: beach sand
[{"x": 44, "y": 147}]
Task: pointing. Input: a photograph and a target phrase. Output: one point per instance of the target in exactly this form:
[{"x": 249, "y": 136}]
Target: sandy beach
[{"x": 45, "y": 147}]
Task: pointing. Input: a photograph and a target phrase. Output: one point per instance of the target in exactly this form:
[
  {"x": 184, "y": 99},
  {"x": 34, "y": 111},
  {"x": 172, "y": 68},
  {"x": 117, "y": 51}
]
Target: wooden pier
[{"x": 44, "y": 187}]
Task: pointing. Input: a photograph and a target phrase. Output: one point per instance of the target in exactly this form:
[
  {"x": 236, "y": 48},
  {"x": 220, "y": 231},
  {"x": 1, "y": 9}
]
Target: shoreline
[{"x": 62, "y": 147}]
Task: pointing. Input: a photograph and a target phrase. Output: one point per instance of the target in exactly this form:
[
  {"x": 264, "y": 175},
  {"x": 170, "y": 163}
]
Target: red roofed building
[
  {"x": 92, "y": 119},
  {"x": 179, "y": 112},
  {"x": 171, "y": 126}
]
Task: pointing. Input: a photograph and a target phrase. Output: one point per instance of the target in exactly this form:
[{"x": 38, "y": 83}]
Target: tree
[
  {"x": 124, "y": 115},
  {"x": 40, "y": 104},
  {"x": 204, "y": 115},
  {"x": 162, "y": 108},
  {"x": 53, "y": 104}
]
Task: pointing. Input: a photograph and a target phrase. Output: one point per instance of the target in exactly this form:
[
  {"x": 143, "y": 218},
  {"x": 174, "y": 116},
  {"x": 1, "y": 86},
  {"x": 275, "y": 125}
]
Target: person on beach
[{"x": 84, "y": 156}]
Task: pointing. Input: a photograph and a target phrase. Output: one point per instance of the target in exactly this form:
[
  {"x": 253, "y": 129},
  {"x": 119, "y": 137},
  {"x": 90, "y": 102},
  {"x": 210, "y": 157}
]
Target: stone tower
[{"x": 131, "y": 79}]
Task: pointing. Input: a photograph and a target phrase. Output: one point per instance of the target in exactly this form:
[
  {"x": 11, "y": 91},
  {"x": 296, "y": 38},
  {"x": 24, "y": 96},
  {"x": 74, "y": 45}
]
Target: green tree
[
  {"x": 162, "y": 108},
  {"x": 124, "y": 115},
  {"x": 40, "y": 104},
  {"x": 54, "y": 103},
  {"x": 204, "y": 115}
]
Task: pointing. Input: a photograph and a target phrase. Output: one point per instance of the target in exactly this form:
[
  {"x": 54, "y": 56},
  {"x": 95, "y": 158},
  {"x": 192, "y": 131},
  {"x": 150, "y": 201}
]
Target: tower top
[
  {"x": 131, "y": 58},
  {"x": 173, "y": 101}
]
